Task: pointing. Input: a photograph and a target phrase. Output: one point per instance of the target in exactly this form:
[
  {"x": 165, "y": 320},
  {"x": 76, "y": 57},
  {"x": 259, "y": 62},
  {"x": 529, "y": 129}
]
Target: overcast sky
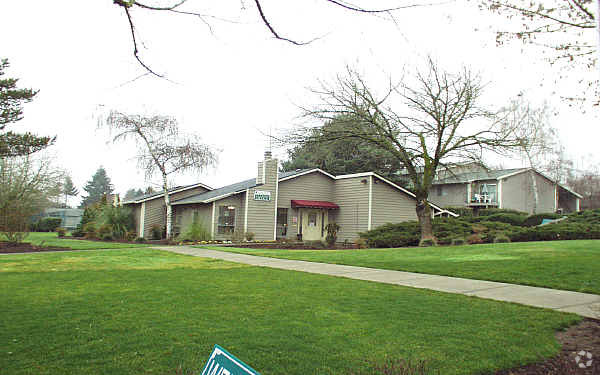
[{"x": 233, "y": 80}]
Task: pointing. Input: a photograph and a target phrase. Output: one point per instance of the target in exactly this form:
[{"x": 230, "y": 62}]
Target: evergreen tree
[
  {"x": 69, "y": 189},
  {"x": 98, "y": 187},
  {"x": 133, "y": 193},
  {"x": 11, "y": 110},
  {"x": 342, "y": 156}
]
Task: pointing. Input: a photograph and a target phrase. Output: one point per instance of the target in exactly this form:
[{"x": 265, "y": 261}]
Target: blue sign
[{"x": 221, "y": 362}]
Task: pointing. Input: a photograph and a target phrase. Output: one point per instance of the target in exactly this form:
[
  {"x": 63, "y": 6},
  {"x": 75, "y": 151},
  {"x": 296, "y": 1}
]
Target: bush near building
[{"x": 497, "y": 226}]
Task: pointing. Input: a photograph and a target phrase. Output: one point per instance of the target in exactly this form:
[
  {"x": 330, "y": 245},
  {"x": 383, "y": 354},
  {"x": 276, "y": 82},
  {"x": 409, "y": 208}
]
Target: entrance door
[{"x": 314, "y": 222}]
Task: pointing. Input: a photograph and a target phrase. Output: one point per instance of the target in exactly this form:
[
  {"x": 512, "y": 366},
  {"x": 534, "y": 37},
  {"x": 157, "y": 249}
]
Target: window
[
  {"x": 312, "y": 219},
  {"x": 226, "y": 223}
]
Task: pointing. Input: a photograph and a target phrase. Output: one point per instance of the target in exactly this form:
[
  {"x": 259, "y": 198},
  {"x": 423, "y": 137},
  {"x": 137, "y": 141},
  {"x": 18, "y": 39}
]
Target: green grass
[
  {"x": 51, "y": 239},
  {"x": 569, "y": 265},
  {"x": 150, "y": 312}
]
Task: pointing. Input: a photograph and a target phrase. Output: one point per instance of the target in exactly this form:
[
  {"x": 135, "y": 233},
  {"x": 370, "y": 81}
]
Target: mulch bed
[
  {"x": 24, "y": 247},
  {"x": 585, "y": 337}
]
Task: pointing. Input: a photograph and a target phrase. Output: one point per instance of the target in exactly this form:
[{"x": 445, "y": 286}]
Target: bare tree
[
  {"x": 568, "y": 28},
  {"x": 179, "y": 7},
  {"x": 28, "y": 184},
  {"x": 162, "y": 148},
  {"x": 537, "y": 139},
  {"x": 438, "y": 122}
]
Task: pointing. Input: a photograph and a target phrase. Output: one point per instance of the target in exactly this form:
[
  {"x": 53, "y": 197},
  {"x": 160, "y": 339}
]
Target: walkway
[{"x": 584, "y": 304}]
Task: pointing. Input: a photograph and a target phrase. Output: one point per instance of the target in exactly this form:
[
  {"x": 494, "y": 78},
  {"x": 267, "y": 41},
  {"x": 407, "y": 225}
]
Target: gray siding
[
  {"x": 236, "y": 201},
  {"x": 517, "y": 193},
  {"x": 453, "y": 195},
  {"x": 261, "y": 214},
  {"x": 353, "y": 198},
  {"x": 187, "y": 216},
  {"x": 312, "y": 186},
  {"x": 156, "y": 210},
  {"x": 390, "y": 205}
]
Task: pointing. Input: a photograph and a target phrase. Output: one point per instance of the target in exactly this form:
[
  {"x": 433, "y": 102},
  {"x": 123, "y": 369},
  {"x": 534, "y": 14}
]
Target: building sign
[
  {"x": 262, "y": 195},
  {"x": 221, "y": 362}
]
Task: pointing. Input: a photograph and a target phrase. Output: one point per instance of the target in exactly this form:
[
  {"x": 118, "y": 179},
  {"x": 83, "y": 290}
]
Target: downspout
[
  {"x": 142, "y": 219},
  {"x": 246, "y": 211},
  {"x": 499, "y": 197},
  {"x": 370, "y": 216},
  {"x": 212, "y": 226},
  {"x": 276, "y": 198}
]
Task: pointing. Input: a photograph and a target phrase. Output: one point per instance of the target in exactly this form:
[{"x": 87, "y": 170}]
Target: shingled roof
[
  {"x": 232, "y": 189},
  {"x": 460, "y": 178}
]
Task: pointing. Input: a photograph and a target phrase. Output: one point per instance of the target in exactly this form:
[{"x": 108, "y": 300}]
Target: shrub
[
  {"x": 458, "y": 241},
  {"x": 508, "y": 218},
  {"x": 106, "y": 237},
  {"x": 360, "y": 243},
  {"x": 249, "y": 236},
  {"x": 89, "y": 230},
  {"x": 61, "y": 231},
  {"x": 237, "y": 236},
  {"x": 130, "y": 235},
  {"x": 536, "y": 219},
  {"x": 427, "y": 242},
  {"x": 119, "y": 220},
  {"x": 494, "y": 211},
  {"x": 332, "y": 229},
  {"x": 103, "y": 231},
  {"x": 156, "y": 232},
  {"x": 474, "y": 239},
  {"x": 462, "y": 211},
  {"x": 49, "y": 224},
  {"x": 140, "y": 240},
  {"x": 77, "y": 233},
  {"x": 501, "y": 238},
  {"x": 196, "y": 231}
]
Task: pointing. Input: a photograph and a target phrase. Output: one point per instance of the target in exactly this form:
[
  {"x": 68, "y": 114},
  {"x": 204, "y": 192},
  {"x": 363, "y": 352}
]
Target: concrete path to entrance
[{"x": 584, "y": 304}]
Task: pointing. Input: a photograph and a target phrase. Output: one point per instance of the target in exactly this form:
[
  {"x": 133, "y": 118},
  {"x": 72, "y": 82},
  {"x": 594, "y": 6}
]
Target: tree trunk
[
  {"x": 168, "y": 205},
  {"x": 534, "y": 187},
  {"x": 425, "y": 221}
]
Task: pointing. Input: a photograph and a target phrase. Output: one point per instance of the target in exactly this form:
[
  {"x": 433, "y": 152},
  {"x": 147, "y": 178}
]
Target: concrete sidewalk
[{"x": 584, "y": 304}]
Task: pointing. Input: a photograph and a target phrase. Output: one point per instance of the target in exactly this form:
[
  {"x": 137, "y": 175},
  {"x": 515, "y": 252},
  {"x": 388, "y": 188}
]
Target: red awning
[{"x": 314, "y": 204}]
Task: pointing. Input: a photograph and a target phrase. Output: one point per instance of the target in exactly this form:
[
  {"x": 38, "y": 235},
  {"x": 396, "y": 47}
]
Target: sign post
[{"x": 221, "y": 362}]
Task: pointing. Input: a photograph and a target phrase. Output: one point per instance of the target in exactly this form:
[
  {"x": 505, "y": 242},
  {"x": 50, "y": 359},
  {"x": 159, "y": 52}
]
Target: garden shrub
[
  {"x": 156, "y": 232},
  {"x": 428, "y": 242},
  {"x": 332, "y": 229},
  {"x": 140, "y": 240},
  {"x": 360, "y": 243},
  {"x": 585, "y": 217},
  {"x": 249, "y": 236},
  {"x": 461, "y": 211},
  {"x": 508, "y": 218},
  {"x": 237, "y": 236},
  {"x": 458, "y": 241},
  {"x": 103, "y": 231},
  {"x": 61, "y": 231},
  {"x": 119, "y": 220},
  {"x": 89, "y": 230},
  {"x": 501, "y": 238},
  {"x": 474, "y": 239},
  {"x": 536, "y": 219},
  {"x": 196, "y": 231},
  {"x": 494, "y": 211},
  {"x": 77, "y": 233},
  {"x": 48, "y": 224}
]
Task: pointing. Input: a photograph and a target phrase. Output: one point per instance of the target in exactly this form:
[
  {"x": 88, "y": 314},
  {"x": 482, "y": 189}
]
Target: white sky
[{"x": 236, "y": 80}]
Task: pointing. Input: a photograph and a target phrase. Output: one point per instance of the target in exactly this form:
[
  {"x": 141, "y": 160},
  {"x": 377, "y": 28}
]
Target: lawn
[
  {"x": 51, "y": 239},
  {"x": 569, "y": 265},
  {"x": 145, "y": 311}
]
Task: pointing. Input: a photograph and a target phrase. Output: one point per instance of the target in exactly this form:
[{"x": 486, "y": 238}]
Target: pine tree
[
  {"x": 96, "y": 188},
  {"x": 69, "y": 189},
  {"x": 11, "y": 111}
]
